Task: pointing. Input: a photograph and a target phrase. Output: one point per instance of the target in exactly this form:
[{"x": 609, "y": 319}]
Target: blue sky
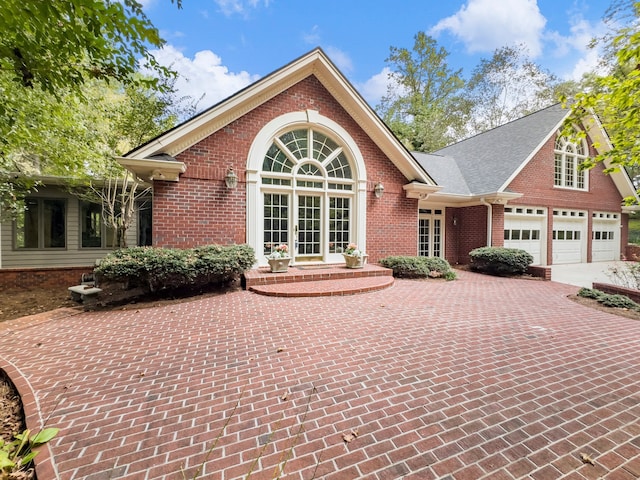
[{"x": 220, "y": 46}]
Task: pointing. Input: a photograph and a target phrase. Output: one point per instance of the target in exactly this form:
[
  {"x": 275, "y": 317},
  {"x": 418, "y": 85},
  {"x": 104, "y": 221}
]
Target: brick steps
[{"x": 321, "y": 281}]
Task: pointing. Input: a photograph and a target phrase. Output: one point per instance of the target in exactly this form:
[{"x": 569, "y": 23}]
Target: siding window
[
  {"x": 42, "y": 224},
  {"x": 95, "y": 234},
  {"x": 568, "y": 158}
]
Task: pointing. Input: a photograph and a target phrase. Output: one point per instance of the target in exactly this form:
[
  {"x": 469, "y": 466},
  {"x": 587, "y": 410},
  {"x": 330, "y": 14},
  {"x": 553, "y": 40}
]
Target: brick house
[
  {"x": 309, "y": 153},
  {"x": 299, "y": 157}
]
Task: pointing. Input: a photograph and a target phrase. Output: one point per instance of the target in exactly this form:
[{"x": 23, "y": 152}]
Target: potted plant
[
  {"x": 354, "y": 257},
  {"x": 279, "y": 258}
]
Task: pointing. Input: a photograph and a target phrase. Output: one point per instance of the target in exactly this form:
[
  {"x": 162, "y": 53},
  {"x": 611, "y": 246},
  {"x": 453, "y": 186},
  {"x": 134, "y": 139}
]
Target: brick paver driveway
[{"x": 478, "y": 378}]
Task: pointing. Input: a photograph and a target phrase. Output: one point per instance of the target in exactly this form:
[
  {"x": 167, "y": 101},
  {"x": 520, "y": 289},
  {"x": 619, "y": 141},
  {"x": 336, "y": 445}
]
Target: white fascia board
[
  {"x": 457, "y": 201},
  {"x": 603, "y": 144}
]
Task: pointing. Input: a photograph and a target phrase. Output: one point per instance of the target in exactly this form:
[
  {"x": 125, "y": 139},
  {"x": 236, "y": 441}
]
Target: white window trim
[{"x": 579, "y": 158}]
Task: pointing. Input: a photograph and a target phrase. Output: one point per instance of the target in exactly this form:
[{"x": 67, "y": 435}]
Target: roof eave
[{"x": 149, "y": 169}]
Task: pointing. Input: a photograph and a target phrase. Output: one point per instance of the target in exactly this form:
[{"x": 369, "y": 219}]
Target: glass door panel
[
  {"x": 276, "y": 221},
  {"x": 309, "y": 233}
]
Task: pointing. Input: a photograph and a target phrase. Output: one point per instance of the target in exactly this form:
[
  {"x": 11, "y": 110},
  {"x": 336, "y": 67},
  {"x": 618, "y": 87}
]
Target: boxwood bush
[
  {"x": 156, "y": 269},
  {"x": 500, "y": 260},
  {"x": 418, "y": 267}
]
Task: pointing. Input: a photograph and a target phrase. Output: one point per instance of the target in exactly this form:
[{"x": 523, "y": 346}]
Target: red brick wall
[
  {"x": 471, "y": 231},
  {"x": 392, "y": 223},
  {"x": 451, "y": 236},
  {"x": 199, "y": 209},
  {"x": 41, "y": 277},
  {"x": 535, "y": 181}
]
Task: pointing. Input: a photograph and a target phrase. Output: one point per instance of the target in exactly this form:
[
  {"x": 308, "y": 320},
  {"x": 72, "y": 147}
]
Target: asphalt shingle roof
[{"x": 483, "y": 163}]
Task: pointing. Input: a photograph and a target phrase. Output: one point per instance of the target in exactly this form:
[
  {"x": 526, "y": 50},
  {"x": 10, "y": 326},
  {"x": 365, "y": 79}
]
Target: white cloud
[
  {"x": 375, "y": 87},
  {"x": 340, "y": 58},
  {"x": 204, "y": 74},
  {"x": 239, "y": 7},
  {"x": 575, "y": 46},
  {"x": 313, "y": 36},
  {"x": 485, "y": 25}
]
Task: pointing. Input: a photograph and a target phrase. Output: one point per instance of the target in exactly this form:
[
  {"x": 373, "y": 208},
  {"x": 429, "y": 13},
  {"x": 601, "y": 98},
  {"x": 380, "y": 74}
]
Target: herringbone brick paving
[{"x": 482, "y": 377}]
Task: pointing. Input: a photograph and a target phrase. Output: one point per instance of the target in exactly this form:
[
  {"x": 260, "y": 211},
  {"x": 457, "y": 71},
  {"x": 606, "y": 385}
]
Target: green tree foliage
[
  {"x": 57, "y": 45},
  {"x": 508, "y": 86},
  {"x": 76, "y": 134},
  {"x": 615, "y": 96},
  {"x": 423, "y": 105}
]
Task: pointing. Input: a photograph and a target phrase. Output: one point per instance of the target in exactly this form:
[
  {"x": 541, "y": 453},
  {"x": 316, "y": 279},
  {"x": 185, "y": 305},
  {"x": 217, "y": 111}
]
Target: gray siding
[{"x": 71, "y": 256}]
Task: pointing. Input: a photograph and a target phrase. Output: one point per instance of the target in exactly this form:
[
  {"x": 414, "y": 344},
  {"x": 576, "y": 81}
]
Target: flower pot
[
  {"x": 355, "y": 261},
  {"x": 279, "y": 265}
]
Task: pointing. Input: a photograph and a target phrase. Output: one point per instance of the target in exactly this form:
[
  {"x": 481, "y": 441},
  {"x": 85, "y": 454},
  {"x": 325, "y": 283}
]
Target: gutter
[{"x": 483, "y": 201}]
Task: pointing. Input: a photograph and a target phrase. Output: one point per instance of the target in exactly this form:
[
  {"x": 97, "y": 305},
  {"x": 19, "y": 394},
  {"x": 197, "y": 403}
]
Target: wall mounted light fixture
[
  {"x": 231, "y": 179},
  {"x": 378, "y": 190},
  {"x": 455, "y": 221}
]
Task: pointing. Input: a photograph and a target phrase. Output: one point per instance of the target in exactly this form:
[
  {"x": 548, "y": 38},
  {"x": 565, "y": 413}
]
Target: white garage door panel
[
  {"x": 568, "y": 241},
  {"x": 604, "y": 241},
  {"x": 525, "y": 234}
]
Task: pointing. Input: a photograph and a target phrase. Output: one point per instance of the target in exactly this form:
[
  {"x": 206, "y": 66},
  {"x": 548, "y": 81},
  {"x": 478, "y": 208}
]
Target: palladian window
[
  {"x": 568, "y": 158},
  {"x": 308, "y": 194}
]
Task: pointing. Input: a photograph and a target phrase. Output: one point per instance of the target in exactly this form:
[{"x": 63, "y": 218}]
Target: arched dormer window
[{"x": 568, "y": 158}]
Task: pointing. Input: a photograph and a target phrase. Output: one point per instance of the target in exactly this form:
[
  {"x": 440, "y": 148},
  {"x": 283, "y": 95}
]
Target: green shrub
[
  {"x": 609, "y": 300},
  {"x": 590, "y": 293},
  {"x": 500, "y": 260},
  {"x": 418, "y": 267},
  {"x": 172, "y": 268},
  {"x": 618, "y": 301}
]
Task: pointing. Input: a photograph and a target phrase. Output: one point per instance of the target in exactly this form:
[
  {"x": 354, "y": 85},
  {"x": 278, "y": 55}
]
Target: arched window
[
  {"x": 308, "y": 192},
  {"x": 568, "y": 158}
]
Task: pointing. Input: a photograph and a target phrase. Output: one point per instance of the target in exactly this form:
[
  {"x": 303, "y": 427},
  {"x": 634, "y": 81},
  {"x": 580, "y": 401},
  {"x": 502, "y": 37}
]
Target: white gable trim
[
  {"x": 517, "y": 172},
  {"x": 314, "y": 63}
]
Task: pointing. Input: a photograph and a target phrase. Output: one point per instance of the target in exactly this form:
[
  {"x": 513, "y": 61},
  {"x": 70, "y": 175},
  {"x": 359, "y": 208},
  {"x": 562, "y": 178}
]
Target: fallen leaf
[
  {"x": 348, "y": 438},
  {"x": 351, "y": 436},
  {"x": 284, "y": 396},
  {"x": 586, "y": 458},
  {"x": 141, "y": 374},
  {"x": 280, "y": 349}
]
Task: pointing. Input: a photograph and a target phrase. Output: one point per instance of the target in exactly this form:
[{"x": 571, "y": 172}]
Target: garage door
[
  {"x": 569, "y": 239},
  {"x": 605, "y": 241},
  {"x": 524, "y": 229}
]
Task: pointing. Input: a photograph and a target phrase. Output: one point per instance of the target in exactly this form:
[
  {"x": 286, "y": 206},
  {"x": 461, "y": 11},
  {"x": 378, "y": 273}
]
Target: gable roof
[
  {"x": 315, "y": 63},
  {"x": 488, "y": 161},
  {"x": 485, "y": 164}
]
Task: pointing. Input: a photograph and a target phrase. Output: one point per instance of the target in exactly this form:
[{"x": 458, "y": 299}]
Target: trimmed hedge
[
  {"x": 156, "y": 269},
  {"x": 418, "y": 267},
  {"x": 500, "y": 260},
  {"x": 608, "y": 300}
]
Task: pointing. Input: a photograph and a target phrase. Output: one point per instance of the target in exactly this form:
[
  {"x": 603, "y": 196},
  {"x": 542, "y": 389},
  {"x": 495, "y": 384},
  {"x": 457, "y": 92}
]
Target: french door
[{"x": 316, "y": 227}]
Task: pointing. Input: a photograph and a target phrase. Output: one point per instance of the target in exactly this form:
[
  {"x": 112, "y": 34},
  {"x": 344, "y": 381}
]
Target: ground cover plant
[{"x": 609, "y": 300}]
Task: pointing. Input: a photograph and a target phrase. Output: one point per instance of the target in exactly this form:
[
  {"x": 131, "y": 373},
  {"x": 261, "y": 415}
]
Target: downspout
[{"x": 489, "y": 219}]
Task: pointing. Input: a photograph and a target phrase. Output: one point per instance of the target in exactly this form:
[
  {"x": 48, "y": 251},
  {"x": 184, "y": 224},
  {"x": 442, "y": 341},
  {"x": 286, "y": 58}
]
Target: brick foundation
[{"x": 41, "y": 277}]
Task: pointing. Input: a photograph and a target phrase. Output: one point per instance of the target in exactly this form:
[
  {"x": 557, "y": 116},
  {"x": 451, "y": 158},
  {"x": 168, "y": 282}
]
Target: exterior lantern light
[
  {"x": 231, "y": 179},
  {"x": 378, "y": 190}
]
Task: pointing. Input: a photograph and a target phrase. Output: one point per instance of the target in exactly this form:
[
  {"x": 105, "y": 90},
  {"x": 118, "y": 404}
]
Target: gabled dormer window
[{"x": 568, "y": 158}]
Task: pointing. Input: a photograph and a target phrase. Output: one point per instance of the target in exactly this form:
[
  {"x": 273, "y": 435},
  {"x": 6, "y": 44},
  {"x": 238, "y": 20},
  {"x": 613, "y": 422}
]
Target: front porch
[{"x": 318, "y": 280}]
